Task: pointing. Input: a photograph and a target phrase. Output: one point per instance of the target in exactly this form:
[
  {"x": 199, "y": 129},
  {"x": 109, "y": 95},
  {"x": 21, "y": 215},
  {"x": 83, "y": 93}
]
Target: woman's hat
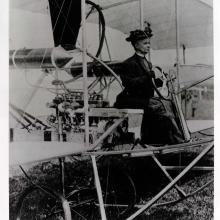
[{"x": 140, "y": 34}]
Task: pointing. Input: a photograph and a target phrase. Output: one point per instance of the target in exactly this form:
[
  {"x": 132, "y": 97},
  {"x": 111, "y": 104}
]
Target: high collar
[
  {"x": 140, "y": 55},
  {"x": 142, "y": 60}
]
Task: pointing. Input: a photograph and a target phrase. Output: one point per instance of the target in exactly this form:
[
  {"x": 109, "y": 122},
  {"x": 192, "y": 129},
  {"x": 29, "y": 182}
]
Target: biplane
[{"x": 81, "y": 122}]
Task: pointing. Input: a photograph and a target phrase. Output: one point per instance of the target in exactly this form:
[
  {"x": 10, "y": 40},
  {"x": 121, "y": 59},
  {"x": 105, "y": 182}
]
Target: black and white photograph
[{"x": 111, "y": 110}]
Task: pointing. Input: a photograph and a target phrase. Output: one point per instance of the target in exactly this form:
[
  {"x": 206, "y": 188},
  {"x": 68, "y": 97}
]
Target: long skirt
[{"x": 160, "y": 124}]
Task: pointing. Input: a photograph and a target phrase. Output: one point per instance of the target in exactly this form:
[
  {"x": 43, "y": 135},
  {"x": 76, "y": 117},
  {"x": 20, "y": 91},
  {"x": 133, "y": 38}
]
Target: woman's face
[{"x": 142, "y": 46}]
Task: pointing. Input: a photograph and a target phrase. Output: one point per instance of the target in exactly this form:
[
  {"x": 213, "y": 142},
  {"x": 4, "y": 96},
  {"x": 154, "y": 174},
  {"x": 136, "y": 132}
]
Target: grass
[
  {"x": 198, "y": 207},
  {"x": 204, "y": 110},
  {"x": 148, "y": 180}
]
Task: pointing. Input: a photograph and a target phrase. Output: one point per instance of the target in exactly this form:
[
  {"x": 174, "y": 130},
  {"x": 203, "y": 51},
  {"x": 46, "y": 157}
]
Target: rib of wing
[{"x": 195, "y": 25}]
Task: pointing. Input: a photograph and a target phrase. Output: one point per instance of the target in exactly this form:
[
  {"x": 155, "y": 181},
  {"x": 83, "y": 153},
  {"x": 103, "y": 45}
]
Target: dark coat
[
  {"x": 158, "y": 124},
  {"x": 136, "y": 77}
]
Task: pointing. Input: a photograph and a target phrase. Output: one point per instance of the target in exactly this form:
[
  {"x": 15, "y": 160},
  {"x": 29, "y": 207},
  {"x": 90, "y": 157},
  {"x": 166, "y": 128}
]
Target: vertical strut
[
  {"x": 98, "y": 188},
  {"x": 62, "y": 174},
  {"x": 177, "y": 41},
  {"x": 85, "y": 87},
  {"x": 141, "y": 5}
]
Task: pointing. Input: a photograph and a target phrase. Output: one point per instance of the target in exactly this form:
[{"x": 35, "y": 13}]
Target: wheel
[
  {"x": 40, "y": 203},
  {"x": 118, "y": 191},
  {"x": 163, "y": 91},
  {"x": 83, "y": 204}
]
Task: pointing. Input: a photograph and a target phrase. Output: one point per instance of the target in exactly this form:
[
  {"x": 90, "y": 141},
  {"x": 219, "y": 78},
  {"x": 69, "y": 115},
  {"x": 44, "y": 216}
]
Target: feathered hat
[{"x": 140, "y": 34}]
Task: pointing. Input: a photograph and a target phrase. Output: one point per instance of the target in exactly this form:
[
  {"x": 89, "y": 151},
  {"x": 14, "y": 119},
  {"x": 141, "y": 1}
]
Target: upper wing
[
  {"x": 39, "y": 6},
  {"x": 65, "y": 16},
  {"x": 195, "y": 18}
]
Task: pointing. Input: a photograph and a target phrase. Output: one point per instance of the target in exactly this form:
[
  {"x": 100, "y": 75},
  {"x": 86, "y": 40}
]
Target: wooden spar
[
  {"x": 141, "y": 11},
  {"x": 98, "y": 188},
  {"x": 151, "y": 149},
  {"x": 141, "y": 4},
  {"x": 118, "y": 4},
  {"x": 184, "y": 62},
  {"x": 108, "y": 49},
  {"x": 19, "y": 121},
  {"x": 181, "y": 117},
  {"x": 184, "y": 54},
  {"x": 66, "y": 208},
  {"x": 84, "y": 59},
  {"x": 62, "y": 174},
  {"x": 177, "y": 41},
  {"x": 60, "y": 139},
  {"x": 171, "y": 184},
  {"x": 55, "y": 57},
  {"x": 22, "y": 113},
  {"x": 177, "y": 100},
  {"x": 197, "y": 168},
  {"x": 179, "y": 112}
]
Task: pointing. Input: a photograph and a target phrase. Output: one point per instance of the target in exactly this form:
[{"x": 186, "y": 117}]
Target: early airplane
[{"x": 84, "y": 123}]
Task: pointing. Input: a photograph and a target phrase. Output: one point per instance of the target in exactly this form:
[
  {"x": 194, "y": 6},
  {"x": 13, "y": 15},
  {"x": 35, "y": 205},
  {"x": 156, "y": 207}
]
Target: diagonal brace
[
  {"x": 109, "y": 130},
  {"x": 171, "y": 184},
  {"x": 180, "y": 191}
]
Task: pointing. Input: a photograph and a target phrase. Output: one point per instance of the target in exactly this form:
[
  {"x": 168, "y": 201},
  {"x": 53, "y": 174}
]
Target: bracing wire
[
  {"x": 64, "y": 18},
  {"x": 27, "y": 176},
  {"x": 61, "y": 37},
  {"x": 60, "y": 11},
  {"x": 32, "y": 94}
]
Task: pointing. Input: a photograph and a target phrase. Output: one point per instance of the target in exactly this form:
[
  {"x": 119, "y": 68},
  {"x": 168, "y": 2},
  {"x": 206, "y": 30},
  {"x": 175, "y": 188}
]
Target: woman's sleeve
[{"x": 129, "y": 77}]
